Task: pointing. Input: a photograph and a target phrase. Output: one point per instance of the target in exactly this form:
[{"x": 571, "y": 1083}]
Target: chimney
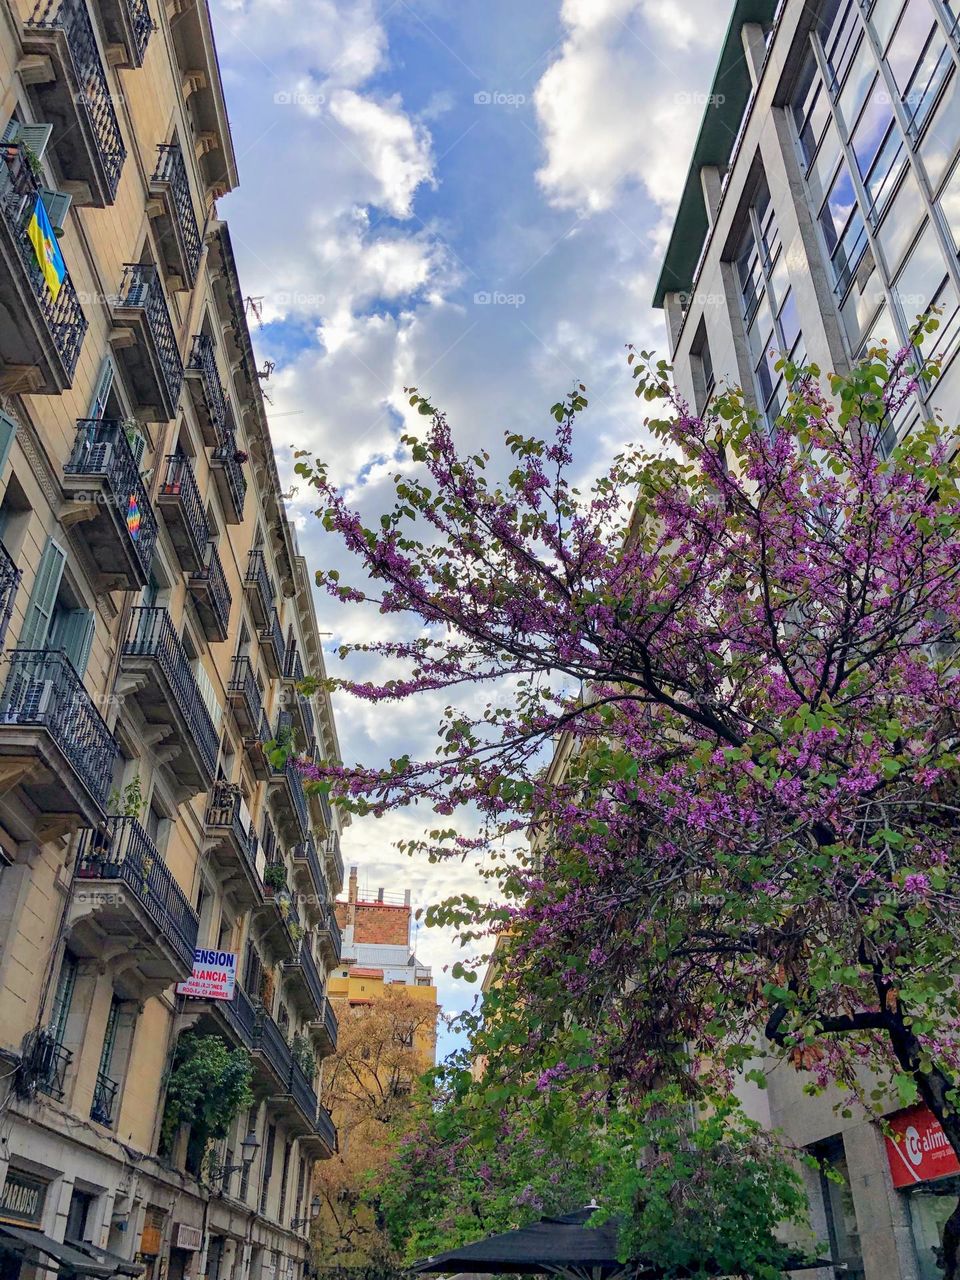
[
  {"x": 352, "y": 890},
  {"x": 406, "y": 897},
  {"x": 379, "y": 895}
]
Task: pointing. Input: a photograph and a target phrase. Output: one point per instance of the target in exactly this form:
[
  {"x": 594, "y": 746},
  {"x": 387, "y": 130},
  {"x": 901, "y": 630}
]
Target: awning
[
  {"x": 121, "y": 1266},
  {"x": 23, "y": 1240}
]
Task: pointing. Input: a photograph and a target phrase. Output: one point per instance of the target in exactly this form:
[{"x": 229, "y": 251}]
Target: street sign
[{"x": 214, "y": 975}]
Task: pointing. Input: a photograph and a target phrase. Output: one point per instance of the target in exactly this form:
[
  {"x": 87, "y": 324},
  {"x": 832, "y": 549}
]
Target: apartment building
[
  {"x": 821, "y": 214},
  {"x": 159, "y": 873}
]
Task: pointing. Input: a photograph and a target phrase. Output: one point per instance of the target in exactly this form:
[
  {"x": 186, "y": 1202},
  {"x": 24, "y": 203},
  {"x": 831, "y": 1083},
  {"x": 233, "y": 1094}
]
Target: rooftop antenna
[
  {"x": 254, "y": 305},
  {"x": 268, "y": 368}
]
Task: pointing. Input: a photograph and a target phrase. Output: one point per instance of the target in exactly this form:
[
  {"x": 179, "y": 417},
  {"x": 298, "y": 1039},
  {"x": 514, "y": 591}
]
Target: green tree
[{"x": 209, "y": 1086}]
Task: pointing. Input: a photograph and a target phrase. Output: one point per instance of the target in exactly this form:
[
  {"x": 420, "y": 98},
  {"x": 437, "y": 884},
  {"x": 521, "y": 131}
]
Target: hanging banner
[
  {"x": 213, "y": 978},
  {"x": 921, "y": 1151}
]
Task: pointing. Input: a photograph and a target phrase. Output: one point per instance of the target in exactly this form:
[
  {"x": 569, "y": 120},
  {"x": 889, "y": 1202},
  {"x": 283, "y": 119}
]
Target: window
[
  {"x": 63, "y": 997},
  {"x": 78, "y": 1215},
  {"x": 839, "y": 1208},
  {"x": 839, "y": 31},
  {"x": 917, "y": 55},
  {"x": 701, "y": 369},
  {"x": 105, "y": 1089},
  {"x": 267, "y": 1166}
]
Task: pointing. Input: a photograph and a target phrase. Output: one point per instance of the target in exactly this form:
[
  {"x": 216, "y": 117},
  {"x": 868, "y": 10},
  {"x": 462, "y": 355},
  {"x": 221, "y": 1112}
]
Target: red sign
[{"x": 922, "y": 1151}]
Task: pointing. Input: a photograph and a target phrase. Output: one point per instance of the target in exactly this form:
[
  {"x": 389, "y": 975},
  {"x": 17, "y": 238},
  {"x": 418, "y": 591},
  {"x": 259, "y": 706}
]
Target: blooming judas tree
[{"x": 743, "y": 642}]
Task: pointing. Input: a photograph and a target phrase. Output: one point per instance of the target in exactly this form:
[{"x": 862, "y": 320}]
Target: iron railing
[
  {"x": 141, "y": 24},
  {"x": 141, "y": 289},
  {"x": 302, "y": 1090},
  {"x": 334, "y": 854},
  {"x": 180, "y": 482},
  {"x": 102, "y": 449},
  {"x": 269, "y": 1040},
  {"x": 272, "y": 634},
  {"x": 94, "y": 99},
  {"x": 306, "y": 852},
  {"x": 204, "y": 362},
  {"x": 330, "y": 1024},
  {"x": 172, "y": 172},
  {"x": 19, "y": 192},
  {"x": 42, "y": 689},
  {"x": 243, "y": 680},
  {"x": 336, "y": 938},
  {"x": 305, "y": 962},
  {"x": 258, "y": 574},
  {"x": 122, "y": 850},
  {"x": 326, "y": 1129},
  {"x": 9, "y": 585},
  {"x": 226, "y": 456},
  {"x": 152, "y": 635},
  {"x": 219, "y": 595},
  {"x": 44, "y": 1065},
  {"x": 292, "y": 667},
  {"x": 241, "y": 1015},
  {"x": 105, "y": 1093},
  {"x": 223, "y": 810}
]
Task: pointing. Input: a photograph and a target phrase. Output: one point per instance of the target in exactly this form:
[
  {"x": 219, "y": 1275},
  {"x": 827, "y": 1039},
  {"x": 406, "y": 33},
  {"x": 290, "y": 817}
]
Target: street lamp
[
  {"x": 248, "y": 1150},
  {"x": 297, "y": 1223}
]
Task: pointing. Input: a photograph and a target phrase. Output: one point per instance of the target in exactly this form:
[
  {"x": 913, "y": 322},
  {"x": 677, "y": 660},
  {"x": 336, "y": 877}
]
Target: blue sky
[{"x": 469, "y": 198}]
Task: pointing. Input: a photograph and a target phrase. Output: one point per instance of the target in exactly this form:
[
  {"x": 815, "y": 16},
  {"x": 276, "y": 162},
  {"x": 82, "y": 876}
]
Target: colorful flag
[
  {"x": 45, "y": 246},
  {"x": 133, "y": 517}
]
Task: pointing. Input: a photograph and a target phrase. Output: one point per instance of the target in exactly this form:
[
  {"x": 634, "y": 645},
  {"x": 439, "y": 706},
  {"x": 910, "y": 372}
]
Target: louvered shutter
[
  {"x": 8, "y": 430},
  {"x": 73, "y": 634},
  {"x": 101, "y": 391},
  {"x": 57, "y": 205},
  {"x": 208, "y": 694},
  {"x": 36, "y": 624},
  {"x": 138, "y": 447},
  {"x": 34, "y": 136}
]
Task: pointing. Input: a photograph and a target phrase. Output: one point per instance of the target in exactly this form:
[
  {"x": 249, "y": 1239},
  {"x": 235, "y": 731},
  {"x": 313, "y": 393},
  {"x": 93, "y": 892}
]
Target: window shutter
[
  {"x": 208, "y": 694},
  {"x": 8, "y": 429},
  {"x": 36, "y": 624},
  {"x": 57, "y": 205},
  {"x": 138, "y": 447},
  {"x": 101, "y": 390},
  {"x": 34, "y": 136},
  {"x": 74, "y": 635}
]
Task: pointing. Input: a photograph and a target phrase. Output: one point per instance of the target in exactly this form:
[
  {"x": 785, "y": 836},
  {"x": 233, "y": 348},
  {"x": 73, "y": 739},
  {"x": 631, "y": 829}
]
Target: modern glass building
[{"x": 820, "y": 214}]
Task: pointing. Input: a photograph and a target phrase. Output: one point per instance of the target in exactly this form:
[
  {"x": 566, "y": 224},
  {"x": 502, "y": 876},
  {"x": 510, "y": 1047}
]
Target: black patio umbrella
[{"x": 563, "y": 1246}]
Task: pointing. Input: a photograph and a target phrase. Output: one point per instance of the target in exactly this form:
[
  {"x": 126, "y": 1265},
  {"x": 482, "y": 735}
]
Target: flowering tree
[{"x": 743, "y": 642}]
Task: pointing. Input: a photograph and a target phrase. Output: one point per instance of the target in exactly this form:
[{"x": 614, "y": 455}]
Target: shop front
[{"x": 925, "y": 1170}]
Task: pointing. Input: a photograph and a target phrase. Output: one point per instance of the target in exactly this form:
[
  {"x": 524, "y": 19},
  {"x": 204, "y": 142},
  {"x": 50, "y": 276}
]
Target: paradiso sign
[
  {"x": 214, "y": 976},
  {"x": 921, "y": 1151}
]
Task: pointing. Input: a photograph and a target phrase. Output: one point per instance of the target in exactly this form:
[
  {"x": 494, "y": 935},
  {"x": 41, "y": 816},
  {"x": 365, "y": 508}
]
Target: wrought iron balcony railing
[
  {"x": 292, "y": 667},
  {"x": 269, "y": 1041},
  {"x": 44, "y": 1066},
  {"x": 212, "y": 595},
  {"x": 180, "y": 500},
  {"x": 105, "y": 1093},
  {"x": 171, "y": 174},
  {"x": 64, "y": 320},
  {"x": 212, "y": 401},
  {"x": 42, "y": 689},
  {"x": 122, "y": 850},
  {"x": 103, "y": 449},
  {"x": 330, "y": 1024},
  {"x": 335, "y": 858},
  {"x": 140, "y": 289},
  {"x": 326, "y": 1129},
  {"x": 92, "y": 98},
  {"x": 241, "y": 1014},
  {"x": 245, "y": 694},
  {"x": 306, "y": 853},
  {"x": 271, "y": 637},
  {"x": 305, "y": 967},
  {"x": 9, "y": 585},
  {"x": 302, "y": 1091},
  {"x": 257, "y": 579},
  {"x": 152, "y": 634},
  {"x": 224, "y": 811},
  {"x": 227, "y": 461}
]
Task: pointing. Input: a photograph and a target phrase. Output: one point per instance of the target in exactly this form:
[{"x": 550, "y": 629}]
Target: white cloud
[{"x": 393, "y": 149}]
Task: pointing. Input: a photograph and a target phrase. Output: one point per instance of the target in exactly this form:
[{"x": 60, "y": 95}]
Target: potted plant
[{"x": 275, "y": 877}]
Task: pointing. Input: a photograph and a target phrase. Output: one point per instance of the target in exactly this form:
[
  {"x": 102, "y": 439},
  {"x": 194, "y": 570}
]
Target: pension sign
[{"x": 214, "y": 975}]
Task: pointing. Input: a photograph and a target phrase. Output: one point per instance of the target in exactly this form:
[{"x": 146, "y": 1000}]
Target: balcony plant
[
  {"x": 208, "y": 1086},
  {"x": 275, "y": 876},
  {"x": 304, "y": 1056}
]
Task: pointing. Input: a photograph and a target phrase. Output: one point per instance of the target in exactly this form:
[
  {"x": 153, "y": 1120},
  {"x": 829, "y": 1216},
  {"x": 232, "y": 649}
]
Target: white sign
[
  {"x": 188, "y": 1237},
  {"x": 214, "y": 975}
]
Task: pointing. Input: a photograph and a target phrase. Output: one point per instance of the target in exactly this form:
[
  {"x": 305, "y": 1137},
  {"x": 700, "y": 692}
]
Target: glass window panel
[
  {"x": 811, "y": 110},
  {"x": 910, "y": 40},
  {"x": 875, "y": 120},
  {"x": 943, "y": 341},
  {"x": 950, "y": 205},
  {"x": 825, "y": 165},
  {"x": 932, "y": 70},
  {"x": 883, "y": 330},
  {"x": 938, "y": 147},
  {"x": 779, "y": 280},
  {"x": 841, "y": 203},
  {"x": 857, "y": 84},
  {"x": 922, "y": 276},
  {"x": 860, "y": 305},
  {"x": 883, "y": 16},
  {"x": 789, "y": 323},
  {"x": 761, "y": 331},
  {"x": 850, "y": 249},
  {"x": 900, "y": 222},
  {"x": 882, "y": 179},
  {"x": 839, "y": 32}
]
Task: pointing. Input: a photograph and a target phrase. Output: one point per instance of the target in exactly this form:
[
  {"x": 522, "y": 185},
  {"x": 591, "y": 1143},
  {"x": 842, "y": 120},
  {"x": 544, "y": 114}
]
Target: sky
[{"x": 469, "y": 198}]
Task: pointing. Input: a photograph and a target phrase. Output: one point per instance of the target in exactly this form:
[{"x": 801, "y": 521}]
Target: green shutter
[
  {"x": 8, "y": 429},
  {"x": 34, "y": 136},
  {"x": 57, "y": 205},
  {"x": 43, "y": 597},
  {"x": 74, "y": 635},
  {"x": 101, "y": 391}
]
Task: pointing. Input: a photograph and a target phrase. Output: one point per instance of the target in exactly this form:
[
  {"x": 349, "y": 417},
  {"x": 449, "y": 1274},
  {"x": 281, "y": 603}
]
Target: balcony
[
  {"x": 256, "y": 745},
  {"x": 298, "y": 1101},
  {"x": 179, "y": 500},
  {"x": 227, "y": 464},
  {"x": 272, "y": 1060},
  {"x": 293, "y": 675},
  {"x": 103, "y": 480},
  {"x": 321, "y": 1141},
  {"x": 290, "y": 802},
  {"x": 306, "y": 866},
  {"x": 154, "y": 666},
  {"x": 43, "y": 1066},
  {"x": 271, "y": 644},
  {"x": 334, "y": 861},
  {"x": 171, "y": 210},
  {"x": 206, "y": 390},
  {"x": 128, "y": 26},
  {"x": 259, "y": 587},
  {"x": 282, "y": 931},
  {"x": 66, "y": 79},
  {"x": 244, "y": 695},
  {"x": 329, "y": 939},
  {"x": 305, "y": 981},
  {"x": 126, "y": 900},
  {"x": 234, "y": 1019},
  {"x": 54, "y": 746},
  {"x": 41, "y": 336},
  {"x": 233, "y": 847},
  {"x": 211, "y": 596},
  {"x": 145, "y": 343},
  {"x": 105, "y": 1093},
  {"x": 325, "y": 1030},
  {"x": 9, "y": 585}
]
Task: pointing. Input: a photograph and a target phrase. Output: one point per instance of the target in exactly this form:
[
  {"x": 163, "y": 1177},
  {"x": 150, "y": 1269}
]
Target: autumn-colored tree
[{"x": 383, "y": 1050}]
